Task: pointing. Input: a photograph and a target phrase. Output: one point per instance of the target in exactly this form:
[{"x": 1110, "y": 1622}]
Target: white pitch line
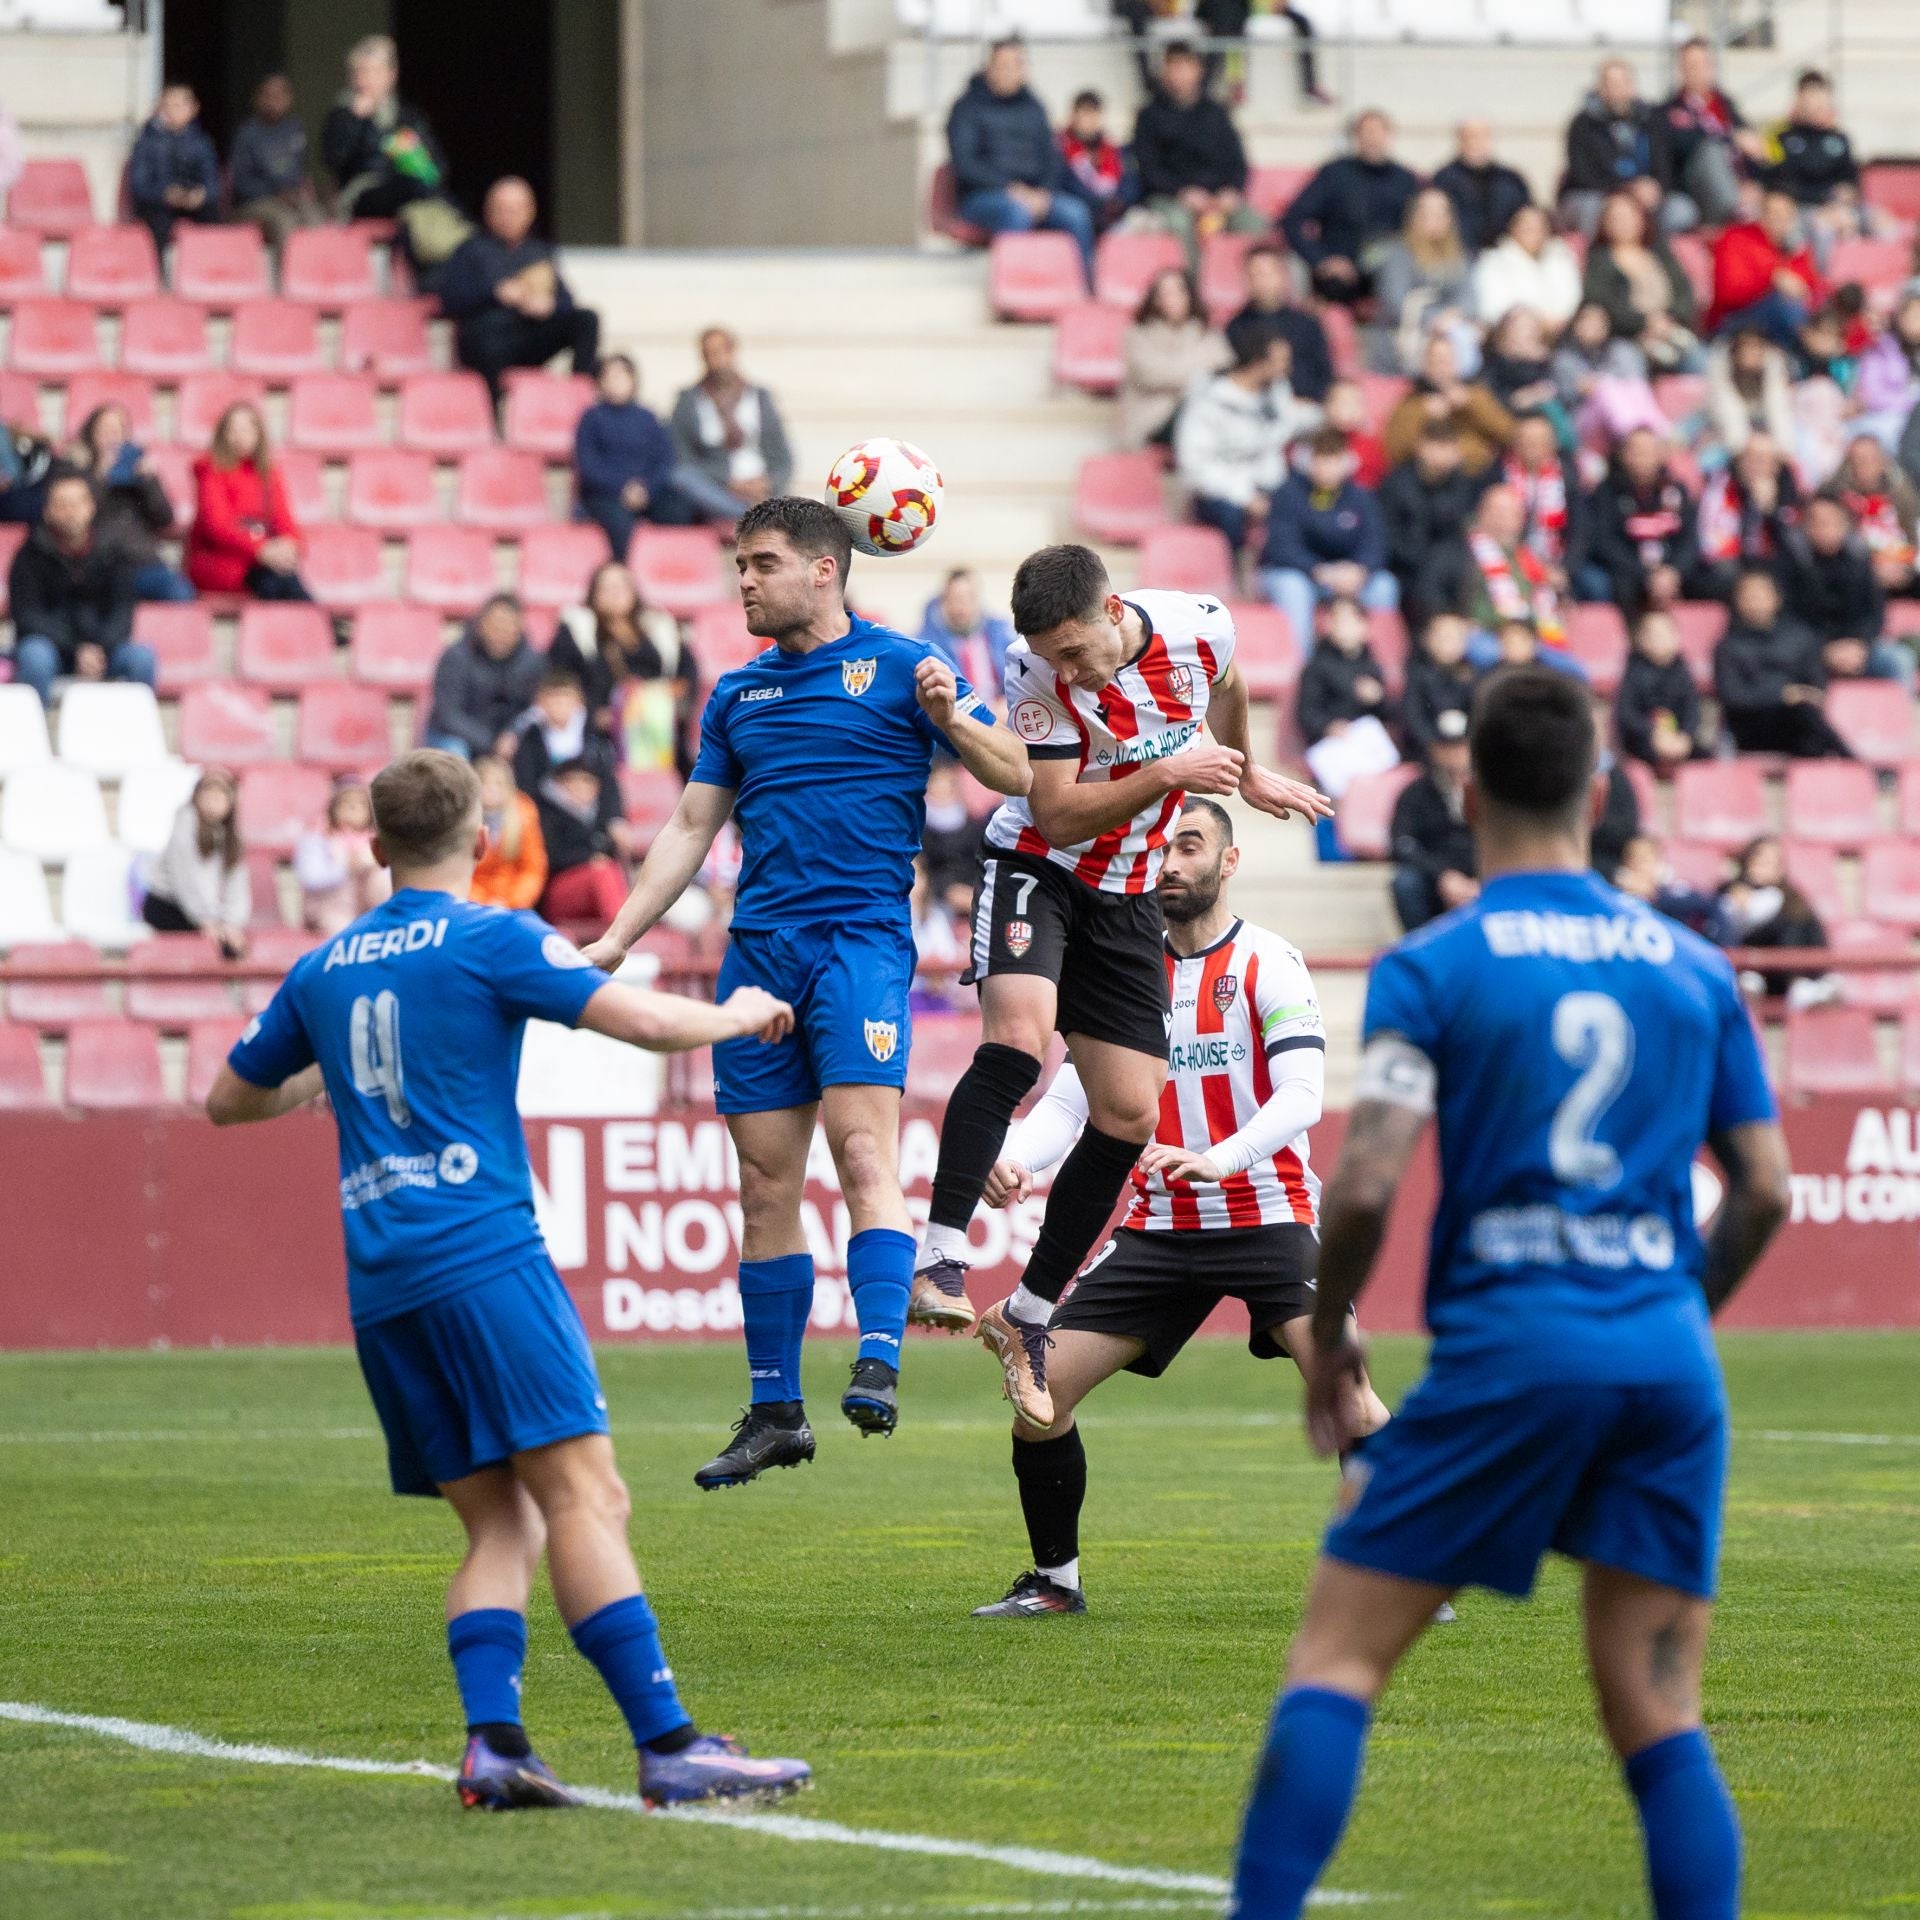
[{"x": 1828, "y": 1439}]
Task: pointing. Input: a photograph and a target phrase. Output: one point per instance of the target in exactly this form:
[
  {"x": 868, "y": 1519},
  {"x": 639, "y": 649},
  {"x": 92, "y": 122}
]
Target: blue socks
[
  {"x": 776, "y": 1297},
  {"x": 623, "y": 1643},
  {"x": 880, "y": 1274},
  {"x": 488, "y": 1647},
  {"x": 1300, "y": 1801},
  {"x": 1692, "y": 1831}
]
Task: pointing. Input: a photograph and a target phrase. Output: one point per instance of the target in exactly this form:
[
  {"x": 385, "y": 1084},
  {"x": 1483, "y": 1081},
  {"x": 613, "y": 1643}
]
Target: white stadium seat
[
  {"x": 96, "y": 899},
  {"x": 52, "y": 811},
  {"x": 108, "y": 726},
  {"x": 26, "y": 913},
  {"x": 983, "y": 19},
  {"x": 23, "y": 729},
  {"x": 150, "y": 798}
]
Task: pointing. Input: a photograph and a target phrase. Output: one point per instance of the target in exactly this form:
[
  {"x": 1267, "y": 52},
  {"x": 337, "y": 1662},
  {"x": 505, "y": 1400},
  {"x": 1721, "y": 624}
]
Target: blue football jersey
[
  {"x": 415, "y": 1014},
  {"x": 1585, "y": 1048},
  {"x": 828, "y": 754}
]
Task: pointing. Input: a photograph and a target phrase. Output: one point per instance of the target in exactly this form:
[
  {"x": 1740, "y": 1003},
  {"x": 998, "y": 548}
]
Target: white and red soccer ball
[{"x": 888, "y": 492}]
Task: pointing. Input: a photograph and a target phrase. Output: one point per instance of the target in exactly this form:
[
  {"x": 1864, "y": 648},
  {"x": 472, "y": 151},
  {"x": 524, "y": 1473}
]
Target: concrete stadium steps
[{"x": 79, "y": 96}]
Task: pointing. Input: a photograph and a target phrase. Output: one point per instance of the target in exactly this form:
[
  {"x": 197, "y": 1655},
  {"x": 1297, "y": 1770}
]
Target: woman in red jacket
[
  {"x": 244, "y": 537},
  {"x": 1764, "y": 276}
]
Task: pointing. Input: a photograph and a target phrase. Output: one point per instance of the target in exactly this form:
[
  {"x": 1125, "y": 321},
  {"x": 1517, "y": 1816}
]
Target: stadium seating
[
  {"x": 1188, "y": 559},
  {"x": 943, "y": 1048},
  {"x": 26, "y": 909},
  {"x": 1885, "y": 989},
  {"x": 270, "y": 944},
  {"x": 208, "y": 1044},
  {"x": 173, "y": 468},
  {"x": 1722, "y": 802},
  {"x": 52, "y": 811},
  {"x": 284, "y": 645},
  {"x": 1833, "y": 1049},
  {"x": 220, "y": 267},
  {"x": 449, "y": 567},
  {"x": 503, "y": 489},
  {"x": 343, "y": 729},
  {"x": 1890, "y": 883},
  {"x": 1814, "y": 867},
  {"x": 13, "y": 537},
  {"x": 1874, "y": 718},
  {"x": 22, "y": 277},
  {"x": 1837, "y": 801},
  {"x": 23, "y": 729},
  {"x": 264, "y": 886},
  {"x": 1126, "y": 263},
  {"x": 150, "y": 797},
  {"x": 51, "y": 197},
  {"x": 387, "y": 338},
  {"x": 1893, "y": 187},
  {"x": 1089, "y": 347},
  {"x": 1120, "y": 497},
  {"x": 446, "y": 413},
  {"x": 677, "y": 568},
  {"x": 97, "y": 899},
  {"x": 53, "y": 338},
  {"x": 1703, "y": 868},
  {"x": 1700, "y": 623},
  {"x": 279, "y": 803},
  {"x": 181, "y": 636},
  {"x": 1266, "y": 651},
  {"x": 204, "y": 397},
  {"x": 114, "y": 1063},
  {"x": 342, "y": 566},
  {"x": 943, "y": 210},
  {"x": 109, "y": 726},
  {"x": 395, "y": 645},
  {"x": 187, "y": 994},
  {"x": 131, "y": 391},
  {"x": 392, "y": 490},
  {"x": 1034, "y": 276},
  {"x": 1223, "y": 274},
  {"x": 277, "y": 339},
  {"x": 1271, "y": 190},
  {"x": 721, "y": 642},
  {"x": 543, "y": 410},
  {"x": 303, "y": 475},
  {"x": 112, "y": 265},
  {"x": 649, "y": 795},
  {"x": 19, "y": 400},
  {"x": 557, "y": 561},
  {"x": 225, "y": 725},
  {"x": 1597, "y": 638},
  {"x": 1363, "y": 815},
  {"x": 334, "y": 414},
  {"x": 331, "y": 267},
  {"x": 37, "y": 997},
  {"x": 164, "y": 338},
  {"x": 23, "y": 1087}
]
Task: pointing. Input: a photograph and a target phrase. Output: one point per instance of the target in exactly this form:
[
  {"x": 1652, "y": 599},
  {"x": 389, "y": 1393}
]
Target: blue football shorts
[
  {"x": 1465, "y": 1492},
  {"x": 466, "y": 1381},
  {"x": 848, "y": 986}
]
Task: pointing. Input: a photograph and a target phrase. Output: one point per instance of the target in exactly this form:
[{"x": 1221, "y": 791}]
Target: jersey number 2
[
  {"x": 375, "y": 1039},
  {"x": 1590, "y": 1032}
]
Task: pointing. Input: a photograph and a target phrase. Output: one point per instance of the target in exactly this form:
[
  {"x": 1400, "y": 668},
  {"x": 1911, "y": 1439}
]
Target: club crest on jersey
[
  {"x": 1224, "y": 991},
  {"x": 1180, "y": 682},
  {"x": 856, "y": 675},
  {"x": 1019, "y": 937},
  {"x": 882, "y": 1035}
]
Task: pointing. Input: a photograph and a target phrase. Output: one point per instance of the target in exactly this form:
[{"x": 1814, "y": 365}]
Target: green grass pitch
[{"x": 204, "y": 1540}]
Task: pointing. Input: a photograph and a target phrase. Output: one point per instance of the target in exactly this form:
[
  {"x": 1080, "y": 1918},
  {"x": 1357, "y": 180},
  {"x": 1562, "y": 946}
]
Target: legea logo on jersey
[
  {"x": 1224, "y": 990},
  {"x": 856, "y": 675},
  {"x": 882, "y": 1037},
  {"x": 1019, "y": 937}
]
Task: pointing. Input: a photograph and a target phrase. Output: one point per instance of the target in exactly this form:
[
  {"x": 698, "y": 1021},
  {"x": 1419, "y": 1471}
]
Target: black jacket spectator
[
  {"x": 1815, "y": 163},
  {"x": 1300, "y": 328},
  {"x": 1836, "y": 594},
  {"x": 1753, "y": 667},
  {"x": 1305, "y": 531},
  {"x": 1632, "y": 529},
  {"x": 1604, "y": 282},
  {"x": 168, "y": 155},
  {"x": 998, "y": 142},
  {"x": 1618, "y": 823},
  {"x": 1176, "y": 146},
  {"x": 1429, "y": 836},
  {"x": 477, "y": 695},
  {"x": 1485, "y": 199},
  {"x": 1608, "y": 149},
  {"x": 1648, "y": 689},
  {"x": 571, "y": 839},
  {"x": 1433, "y": 688},
  {"x": 71, "y": 599},
  {"x": 1348, "y": 205},
  {"x": 1330, "y": 690},
  {"x": 269, "y": 159},
  {"x": 383, "y": 160},
  {"x": 1422, "y": 514}
]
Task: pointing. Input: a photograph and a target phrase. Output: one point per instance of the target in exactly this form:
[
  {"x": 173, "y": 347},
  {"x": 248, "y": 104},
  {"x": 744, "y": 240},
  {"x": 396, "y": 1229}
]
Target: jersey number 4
[
  {"x": 1592, "y": 1033},
  {"x": 374, "y": 1035}
]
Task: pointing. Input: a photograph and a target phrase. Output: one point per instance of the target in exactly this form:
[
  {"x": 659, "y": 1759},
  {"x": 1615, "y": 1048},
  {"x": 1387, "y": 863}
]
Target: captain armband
[{"x": 1397, "y": 1072}]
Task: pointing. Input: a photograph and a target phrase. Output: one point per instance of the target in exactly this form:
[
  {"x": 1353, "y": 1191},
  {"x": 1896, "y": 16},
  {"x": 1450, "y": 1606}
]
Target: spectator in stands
[
  {"x": 1516, "y": 367},
  {"x": 1591, "y": 368},
  {"x": 1658, "y": 707},
  {"x": 1828, "y": 582},
  {"x": 1641, "y": 549},
  {"x": 133, "y": 506},
  {"x": 953, "y": 838},
  {"x": 1646, "y": 873},
  {"x": 199, "y": 882},
  {"x": 1270, "y": 306},
  {"x": 1343, "y": 680},
  {"x": 1885, "y": 506},
  {"x": 1632, "y": 273},
  {"x": 513, "y": 870},
  {"x": 1708, "y": 136},
  {"x": 636, "y": 676},
  {"x": 1325, "y": 538},
  {"x": 1482, "y": 424},
  {"x": 1231, "y": 437},
  {"x": 1745, "y": 511},
  {"x": 244, "y": 538},
  {"x": 339, "y": 877},
  {"x": 1168, "y": 347},
  {"x": 1888, "y": 387},
  {"x": 1425, "y": 501},
  {"x": 173, "y": 172},
  {"x": 1554, "y": 509},
  {"x": 623, "y": 457},
  {"x": 1193, "y": 169},
  {"x": 1764, "y": 275},
  {"x": 1812, "y": 159},
  {"x": 1770, "y": 678},
  {"x": 1761, "y": 907},
  {"x": 380, "y": 149},
  {"x": 569, "y": 771},
  {"x": 27, "y": 463},
  {"x": 1616, "y": 143},
  {"x": 729, "y": 442},
  {"x": 1486, "y": 193},
  {"x": 1619, "y": 817},
  {"x": 1434, "y": 865},
  {"x": 1440, "y": 679},
  {"x": 72, "y": 597},
  {"x": 1100, "y": 171},
  {"x": 1349, "y": 209},
  {"x": 1490, "y": 574},
  {"x": 1422, "y": 285},
  {"x": 483, "y": 683},
  {"x": 972, "y": 641},
  {"x": 502, "y": 290},
  {"x": 1748, "y": 389},
  {"x": 271, "y": 184},
  {"x": 1346, "y": 413},
  {"x": 1008, "y": 175},
  {"x": 1530, "y": 267}
]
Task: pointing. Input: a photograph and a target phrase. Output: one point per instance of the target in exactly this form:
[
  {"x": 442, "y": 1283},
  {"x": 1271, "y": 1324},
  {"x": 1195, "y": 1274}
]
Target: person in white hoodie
[
  {"x": 1231, "y": 438},
  {"x": 1531, "y": 267},
  {"x": 199, "y": 883}
]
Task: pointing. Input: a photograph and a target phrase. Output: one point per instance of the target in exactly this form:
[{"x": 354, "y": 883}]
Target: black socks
[
  {"x": 675, "y": 1742},
  {"x": 1053, "y": 1485},
  {"x": 505, "y": 1737},
  {"x": 975, "y": 1129},
  {"x": 1085, "y": 1189}
]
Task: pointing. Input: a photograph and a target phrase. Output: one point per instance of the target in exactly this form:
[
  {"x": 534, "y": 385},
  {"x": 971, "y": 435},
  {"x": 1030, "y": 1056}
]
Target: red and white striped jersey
[
  {"x": 1236, "y": 1005},
  {"x": 1154, "y": 706}
]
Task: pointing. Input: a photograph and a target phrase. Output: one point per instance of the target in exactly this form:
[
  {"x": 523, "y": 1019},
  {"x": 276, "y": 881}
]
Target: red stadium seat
[
  {"x": 649, "y": 795},
  {"x": 344, "y": 729},
  {"x": 114, "y": 1063},
  {"x": 1034, "y": 276},
  {"x": 1382, "y": 392},
  {"x": 1886, "y": 989},
  {"x": 392, "y": 490},
  {"x": 1909, "y": 799},
  {"x": 1695, "y": 865},
  {"x": 446, "y": 413},
  {"x": 1890, "y": 882},
  {"x": 1363, "y": 815},
  {"x": 181, "y": 636},
  {"x": 13, "y": 536},
  {"x": 1597, "y": 638},
  {"x": 1272, "y": 190},
  {"x": 284, "y": 645},
  {"x": 112, "y": 265},
  {"x": 943, "y": 1048},
  {"x": 1722, "y": 802},
  {"x": 85, "y": 391},
  {"x": 272, "y": 945},
  {"x": 204, "y": 397},
  {"x": 1902, "y": 619},
  {"x": 279, "y": 803},
  {"x": 1893, "y": 186},
  {"x": 1814, "y": 867},
  {"x": 1833, "y": 801},
  {"x": 220, "y": 266},
  {"x": 47, "y": 1002},
  {"x": 450, "y": 567},
  {"x": 225, "y": 725},
  {"x": 303, "y": 474},
  {"x": 264, "y": 884},
  {"x": 208, "y": 1044},
  {"x": 23, "y": 276},
  {"x": 1695, "y": 257},
  {"x": 1700, "y": 623},
  {"x": 19, "y": 401},
  {"x": 1387, "y": 636},
  {"x": 334, "y": 414},
  {"x": 395, "y": 645},
  {"x": 503, "y": 489},
  {"x": 173, "y": 468},
  {"x": 186, "y": 996},
  {"x": 51, "y": 196},
  {"x": 1266, "y": 651},
  {"x": 557, "y": 561},
  {"x": 1188, "y": 559},
  {"x": 164, "y": 339},
  {"x": 330, "y": 267},
  {"x": 1223, "y": 274},
  {"x": 943, "y": 212},
  {"x": 1871, "y": 263},
  {"x": 387, "y": 338},
  {"x": 276, "y": 339},
  {"x": 1119, "y": 497},
  {"x": 678, "y": 568},
  {"x": 543, "y": 409},
  {"x": 1089, "y": 347},
  {"x": 1343, "y": 340},
  {"x": 23, "y": 1087},
  {"x": 720, "y": 641},
  {"x": 1874, "y": 718},
  {"x": 1680, "y": 394},
  {"x": 1126, "y": 264},
  {"x": 53, "y": 338},
  {"x": 1834, "y": 1049},
  {"x": 342, "y": 566}
]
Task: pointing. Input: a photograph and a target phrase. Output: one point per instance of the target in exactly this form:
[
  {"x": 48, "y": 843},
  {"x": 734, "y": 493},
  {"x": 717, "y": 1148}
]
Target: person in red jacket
[
  {"x": 244, "y": 537},
  {"x": 1764, "y": 276}
]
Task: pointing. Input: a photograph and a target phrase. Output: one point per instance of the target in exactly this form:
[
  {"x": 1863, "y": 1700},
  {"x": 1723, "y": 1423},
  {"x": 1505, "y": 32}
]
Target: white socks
[
  {"x": 1030, "y": 1308},
  {"x": 1067, "y": 1576},
  {"x": 943, "y": 1243}
]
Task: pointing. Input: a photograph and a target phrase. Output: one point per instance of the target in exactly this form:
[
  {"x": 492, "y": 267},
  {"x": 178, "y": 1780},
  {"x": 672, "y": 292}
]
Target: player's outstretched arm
[
  {"x": 1272, "y": 793},
  {"x": 672, "y": 861},
  {"x": 993, "y": 755},
  {"x": 1754, "y": 1159},
  {"x": 671, "y": 1023},
  {"x": 234, "y": 1102}
]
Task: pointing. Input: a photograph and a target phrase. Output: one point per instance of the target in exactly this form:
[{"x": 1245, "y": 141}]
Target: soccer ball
[{"x": 888, "y": 493}]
